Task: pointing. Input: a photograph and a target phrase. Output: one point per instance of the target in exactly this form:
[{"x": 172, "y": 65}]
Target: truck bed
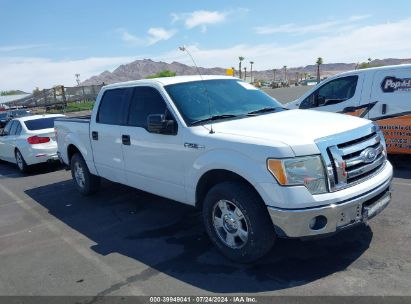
[{"x": 79, "y": 119}]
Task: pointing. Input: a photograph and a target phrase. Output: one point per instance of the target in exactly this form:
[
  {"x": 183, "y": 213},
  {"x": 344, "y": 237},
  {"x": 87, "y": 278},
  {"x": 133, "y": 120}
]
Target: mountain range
[{"x": 140, "y": 69}]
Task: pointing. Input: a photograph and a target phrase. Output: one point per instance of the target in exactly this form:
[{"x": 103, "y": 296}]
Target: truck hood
[{"x": 296, "y": 128}]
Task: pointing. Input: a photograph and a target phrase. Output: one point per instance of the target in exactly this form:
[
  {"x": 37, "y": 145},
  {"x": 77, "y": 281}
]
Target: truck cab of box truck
[{"x": 380, "y": 94}]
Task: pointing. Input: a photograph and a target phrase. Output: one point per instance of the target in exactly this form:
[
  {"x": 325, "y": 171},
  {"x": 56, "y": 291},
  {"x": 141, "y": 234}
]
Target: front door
[
  {"x": 153, "y": 161},
  {"x": 341, "y": 95}
]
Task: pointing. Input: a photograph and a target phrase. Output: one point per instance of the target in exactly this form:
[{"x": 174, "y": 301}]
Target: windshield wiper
[
  {"x": 263, "y": 110},
  {"x": 212, "y": 118}
]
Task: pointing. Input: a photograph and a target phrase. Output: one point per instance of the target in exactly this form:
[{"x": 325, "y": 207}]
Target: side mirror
[{"x": 156, "y": 123}]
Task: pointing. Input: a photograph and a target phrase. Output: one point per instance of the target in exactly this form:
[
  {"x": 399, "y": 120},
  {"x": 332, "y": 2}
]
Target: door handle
[
  {"x": 384, "y": 109},
  {"x": 94, "y": 135},
  {"x": 126, "y": 140}
]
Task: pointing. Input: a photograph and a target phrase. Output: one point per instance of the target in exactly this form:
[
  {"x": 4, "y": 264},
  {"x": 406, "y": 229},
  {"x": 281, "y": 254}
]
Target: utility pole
[
  {"x": 285, "y": 73},
  {"x": 274, "y": 70},
  {"x": 77, "y": 79}
]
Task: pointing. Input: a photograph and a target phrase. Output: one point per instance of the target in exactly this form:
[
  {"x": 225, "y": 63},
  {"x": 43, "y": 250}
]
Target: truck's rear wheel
[
  {"x": 86, "y": 183},
  {"x": 237, "y": 222}
]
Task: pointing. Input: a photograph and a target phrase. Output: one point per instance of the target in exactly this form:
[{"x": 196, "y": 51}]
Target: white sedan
[{"x": 29, "y": 140}]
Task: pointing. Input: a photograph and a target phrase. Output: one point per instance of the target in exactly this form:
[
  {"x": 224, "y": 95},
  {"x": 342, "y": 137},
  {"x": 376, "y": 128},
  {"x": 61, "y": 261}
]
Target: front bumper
[{"x": 330, "y": 218}]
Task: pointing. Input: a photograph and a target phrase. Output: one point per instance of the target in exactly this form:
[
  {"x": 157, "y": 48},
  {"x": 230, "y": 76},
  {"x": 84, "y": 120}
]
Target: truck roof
[{"x": 168, "y": 80}]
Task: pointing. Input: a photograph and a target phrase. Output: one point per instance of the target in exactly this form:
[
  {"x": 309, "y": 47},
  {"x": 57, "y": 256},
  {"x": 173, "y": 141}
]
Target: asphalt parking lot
[{"x": 126, "y": 242}]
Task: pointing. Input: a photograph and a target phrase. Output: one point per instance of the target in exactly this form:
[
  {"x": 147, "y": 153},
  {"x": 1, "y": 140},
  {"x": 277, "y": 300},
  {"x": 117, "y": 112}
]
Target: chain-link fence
[{"x": 58, "y": 97}]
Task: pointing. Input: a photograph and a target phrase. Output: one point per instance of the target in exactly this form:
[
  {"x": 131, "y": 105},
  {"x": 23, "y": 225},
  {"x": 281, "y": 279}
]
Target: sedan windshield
[
  {"x": 19, "y": 113},
  {"x": 211, "y": 100}
]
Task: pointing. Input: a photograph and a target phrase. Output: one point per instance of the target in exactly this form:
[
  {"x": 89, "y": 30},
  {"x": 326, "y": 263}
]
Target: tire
[
  {"x": 20, "y": 162},
  {"x": 226, "y": 226},
  {"x": 85, "y": 182}
]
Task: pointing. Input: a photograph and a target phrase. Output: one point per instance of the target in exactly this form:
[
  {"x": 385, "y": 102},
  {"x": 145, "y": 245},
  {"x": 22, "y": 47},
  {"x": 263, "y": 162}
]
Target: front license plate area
[{"x": 372, "y": 210}]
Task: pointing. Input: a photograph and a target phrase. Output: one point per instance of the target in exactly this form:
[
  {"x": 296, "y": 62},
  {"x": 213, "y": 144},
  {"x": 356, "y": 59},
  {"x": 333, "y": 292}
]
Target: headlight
[{"x": 307, "y": 171}]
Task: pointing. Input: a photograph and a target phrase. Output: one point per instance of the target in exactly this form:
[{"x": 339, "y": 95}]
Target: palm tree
[
  {"x": 369, "y": 61},
  {"x": 285, "y": 73},
  {"x": 319, "y": 62},
  {"x": 241, "y": 58},
  {"x": 251, "y": 70},
  {"x": 245, "y": 73}
]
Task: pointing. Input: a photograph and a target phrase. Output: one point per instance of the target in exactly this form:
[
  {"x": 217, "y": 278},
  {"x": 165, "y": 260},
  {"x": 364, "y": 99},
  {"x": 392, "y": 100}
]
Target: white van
[{"x": 381, "y": 94}]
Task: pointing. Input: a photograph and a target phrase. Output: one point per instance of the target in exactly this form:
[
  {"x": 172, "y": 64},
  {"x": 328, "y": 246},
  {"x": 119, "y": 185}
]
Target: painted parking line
[
  {"x": 401, "y": 184},
  {"x": 3, "y": 176}
]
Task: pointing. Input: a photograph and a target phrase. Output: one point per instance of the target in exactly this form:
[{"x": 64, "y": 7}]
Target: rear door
[
  {"x": 390, "y": 106},
  {"x": 340, "y": 95},
  {"x": 105, "y": 134}
]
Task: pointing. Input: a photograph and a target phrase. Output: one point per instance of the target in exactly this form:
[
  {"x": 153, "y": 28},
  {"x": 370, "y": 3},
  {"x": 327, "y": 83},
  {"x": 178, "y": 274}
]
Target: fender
[
  {"x": 230, "y": 160},
  {"x": 73, "y": 139}
]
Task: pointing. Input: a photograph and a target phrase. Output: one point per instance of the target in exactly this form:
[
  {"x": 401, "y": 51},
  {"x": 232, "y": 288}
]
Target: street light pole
[{"x": 251, "y": 71}]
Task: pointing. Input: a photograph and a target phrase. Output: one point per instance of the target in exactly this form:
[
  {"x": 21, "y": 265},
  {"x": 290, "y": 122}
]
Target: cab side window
[
  {"x": 113, "y": 106},
  {"x": 332, "y": 92},
  {"x": 145, "y": 101}
]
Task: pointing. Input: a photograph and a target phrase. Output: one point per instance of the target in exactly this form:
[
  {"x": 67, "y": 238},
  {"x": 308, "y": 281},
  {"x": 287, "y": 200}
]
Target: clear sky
[{"x": 44, "y": 43}]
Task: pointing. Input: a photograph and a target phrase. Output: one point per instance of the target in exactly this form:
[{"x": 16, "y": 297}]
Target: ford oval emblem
[{"x": 369, "y": 155}]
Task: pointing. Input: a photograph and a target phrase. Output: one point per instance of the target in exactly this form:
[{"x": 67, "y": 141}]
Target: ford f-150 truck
[{"x": 256, "y": 170}]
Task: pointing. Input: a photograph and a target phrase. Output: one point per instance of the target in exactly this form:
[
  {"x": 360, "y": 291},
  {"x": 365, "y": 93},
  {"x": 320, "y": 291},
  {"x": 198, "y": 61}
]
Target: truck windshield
[{"x": 228, "y": 99}]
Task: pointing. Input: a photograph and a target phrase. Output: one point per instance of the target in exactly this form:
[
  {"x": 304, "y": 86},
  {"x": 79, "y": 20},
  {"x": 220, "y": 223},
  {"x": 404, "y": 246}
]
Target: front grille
[{"x": 351, "y": 160}]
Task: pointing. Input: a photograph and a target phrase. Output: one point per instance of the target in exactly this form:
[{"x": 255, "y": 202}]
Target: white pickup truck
[{"x": 256, "y": 170}]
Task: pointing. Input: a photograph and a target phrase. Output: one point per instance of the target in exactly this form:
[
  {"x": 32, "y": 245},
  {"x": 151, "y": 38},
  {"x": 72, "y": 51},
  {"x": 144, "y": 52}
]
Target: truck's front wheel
[
  {"x": 86, "y": 183},
  {"x": 237, "y": 221}
]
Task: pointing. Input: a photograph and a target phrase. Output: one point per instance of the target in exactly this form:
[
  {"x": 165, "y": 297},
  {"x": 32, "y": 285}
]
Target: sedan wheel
[{"x": 21, "y": 163}]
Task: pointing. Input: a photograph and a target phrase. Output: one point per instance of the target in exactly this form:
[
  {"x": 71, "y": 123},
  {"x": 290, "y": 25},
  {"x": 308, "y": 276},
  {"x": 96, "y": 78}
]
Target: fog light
[{"x": 318, "y": 222}]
